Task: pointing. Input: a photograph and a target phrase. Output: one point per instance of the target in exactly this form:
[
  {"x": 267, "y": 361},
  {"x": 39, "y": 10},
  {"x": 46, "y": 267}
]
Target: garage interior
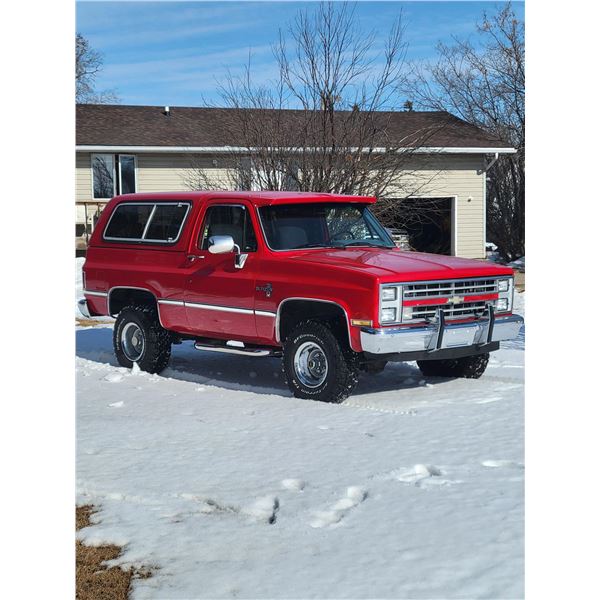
[{"x": 423, "y": 225}]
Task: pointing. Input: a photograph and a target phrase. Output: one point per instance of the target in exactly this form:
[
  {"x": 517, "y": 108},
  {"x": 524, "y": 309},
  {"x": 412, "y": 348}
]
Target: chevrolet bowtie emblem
[{"x": 455, "y": 300}]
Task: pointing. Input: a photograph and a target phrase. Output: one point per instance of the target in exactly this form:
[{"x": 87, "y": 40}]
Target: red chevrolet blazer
[{"x": 313, "y": 278}]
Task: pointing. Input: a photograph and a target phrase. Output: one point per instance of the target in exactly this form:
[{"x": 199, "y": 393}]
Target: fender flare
[
  {"x": 132, "y": 287},
  {"x": 321, "y": 300}
]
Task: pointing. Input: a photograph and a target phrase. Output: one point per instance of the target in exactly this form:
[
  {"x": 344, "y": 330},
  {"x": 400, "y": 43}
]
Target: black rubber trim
[
  {"x": 492, "y": 320},
  {"x": 441, "y": 329}
]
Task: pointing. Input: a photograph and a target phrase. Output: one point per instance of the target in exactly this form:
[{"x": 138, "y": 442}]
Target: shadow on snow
[{"x": 253, "y": 374}]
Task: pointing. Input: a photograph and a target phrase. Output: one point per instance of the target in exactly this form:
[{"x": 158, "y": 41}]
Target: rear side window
[
  {"x": 166, "y": 222},
  {"x": 147, "y": 222}
]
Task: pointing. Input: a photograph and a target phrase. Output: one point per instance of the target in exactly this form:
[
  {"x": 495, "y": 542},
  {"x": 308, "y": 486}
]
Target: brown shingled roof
[{"x": 121, "y": 125}]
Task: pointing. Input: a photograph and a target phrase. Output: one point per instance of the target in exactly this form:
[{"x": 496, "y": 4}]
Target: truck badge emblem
[
  {"x": 267, "y": 289},
  {"x": 455, "y": 300}
]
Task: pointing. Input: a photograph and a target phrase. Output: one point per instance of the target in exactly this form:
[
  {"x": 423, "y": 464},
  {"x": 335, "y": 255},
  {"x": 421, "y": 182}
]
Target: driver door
[{"x": 219, "y": 297}]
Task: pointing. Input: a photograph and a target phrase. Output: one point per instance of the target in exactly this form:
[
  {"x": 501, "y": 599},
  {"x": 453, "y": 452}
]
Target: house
[{"x": 122, "y": 149}]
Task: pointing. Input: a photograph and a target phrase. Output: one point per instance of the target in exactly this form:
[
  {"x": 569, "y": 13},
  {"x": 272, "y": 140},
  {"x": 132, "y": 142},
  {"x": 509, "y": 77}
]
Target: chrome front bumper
[
  {"x": 441, "y": 335},
  {"x": 83, "y": 308}
]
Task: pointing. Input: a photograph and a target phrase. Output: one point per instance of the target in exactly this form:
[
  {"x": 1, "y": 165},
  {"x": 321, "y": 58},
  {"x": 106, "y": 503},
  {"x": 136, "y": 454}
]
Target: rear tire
[
  {"x": 138, "y": 337},
  {"x": 469, "y": 367},
  {"x": 317, "y": 366}
]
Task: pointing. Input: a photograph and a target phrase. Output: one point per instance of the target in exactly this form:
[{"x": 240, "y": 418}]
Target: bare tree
[
  {"x": 88, "y": 63},
  {"x": 485, "y": 85},
  {"x": 324, "y": 123}
]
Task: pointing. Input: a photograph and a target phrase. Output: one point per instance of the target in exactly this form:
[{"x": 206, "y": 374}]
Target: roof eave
[{"x": 229, "y": 149}]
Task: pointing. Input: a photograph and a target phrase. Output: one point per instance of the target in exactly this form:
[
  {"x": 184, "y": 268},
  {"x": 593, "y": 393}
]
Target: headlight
[
  {"x": 503, "y": 285},
  {"x": 502, "y": 305},
  {"x": 388, "y": 315},
  {"x": 388, "y": 293}
]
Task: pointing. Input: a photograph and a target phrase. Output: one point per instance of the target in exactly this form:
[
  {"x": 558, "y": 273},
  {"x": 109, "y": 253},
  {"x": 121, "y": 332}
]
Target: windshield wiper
[
  {"x": 363, "y": 243},
  {"x": 318, "y": 245}
]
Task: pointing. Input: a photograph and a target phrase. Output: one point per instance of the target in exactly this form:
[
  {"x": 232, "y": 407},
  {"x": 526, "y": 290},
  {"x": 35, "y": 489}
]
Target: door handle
[{"x": 193, "y": 257}]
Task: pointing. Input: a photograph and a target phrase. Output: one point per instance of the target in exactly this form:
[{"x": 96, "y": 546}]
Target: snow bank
[{"x": 519, "y": 303}]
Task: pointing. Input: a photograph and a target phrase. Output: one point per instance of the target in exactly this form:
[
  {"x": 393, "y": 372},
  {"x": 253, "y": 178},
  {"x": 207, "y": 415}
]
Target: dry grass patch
[
  {"x": 83, "y": 322},
  {"x": 520, "y": 281},
  {"x": 94, "y": 581}
]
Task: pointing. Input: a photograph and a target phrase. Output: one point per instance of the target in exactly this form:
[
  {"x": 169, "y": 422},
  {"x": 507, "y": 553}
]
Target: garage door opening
[{"x": 423, "y": 225}]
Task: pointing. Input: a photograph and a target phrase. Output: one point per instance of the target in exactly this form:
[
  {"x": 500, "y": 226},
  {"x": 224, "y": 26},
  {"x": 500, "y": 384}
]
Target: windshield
[{"x": 323, "y": 225}]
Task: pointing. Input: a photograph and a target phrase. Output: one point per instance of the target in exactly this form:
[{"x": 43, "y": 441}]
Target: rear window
[{"x": 147, "y": 222}]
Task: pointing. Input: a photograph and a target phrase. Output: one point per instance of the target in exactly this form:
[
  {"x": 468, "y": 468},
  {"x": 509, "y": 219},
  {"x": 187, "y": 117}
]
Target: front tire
[
  {"x": 469, "y": 367},
  {"x": 138, "y": 337},
  {"x": 317, "y": 366}
]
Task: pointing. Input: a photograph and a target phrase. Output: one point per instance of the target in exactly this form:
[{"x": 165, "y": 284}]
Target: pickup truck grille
[
  {"x": 458, "y": 298},
  {"x": 450, "y": 288},
  {"x": 457, "y": 311},
  {"x": 458, "y": 290}
]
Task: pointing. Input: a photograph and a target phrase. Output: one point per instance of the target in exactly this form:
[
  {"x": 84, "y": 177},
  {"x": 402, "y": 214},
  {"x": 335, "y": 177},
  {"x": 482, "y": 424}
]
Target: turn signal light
[{"x": 359, "y": 323}]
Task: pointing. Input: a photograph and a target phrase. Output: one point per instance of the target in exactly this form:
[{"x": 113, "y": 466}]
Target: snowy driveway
[{"x": 213, "y": 474}]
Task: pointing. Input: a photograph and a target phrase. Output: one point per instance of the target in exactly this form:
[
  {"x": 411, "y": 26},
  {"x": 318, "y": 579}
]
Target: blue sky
[{"x": 175, "y": 52}]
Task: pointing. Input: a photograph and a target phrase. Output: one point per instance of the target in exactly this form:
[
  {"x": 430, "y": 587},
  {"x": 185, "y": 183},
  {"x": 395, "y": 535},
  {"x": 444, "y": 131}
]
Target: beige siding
[
  {"x": 83, "y": 177},
  {"x": 175, "y": 172},
  {"x": 443, "y": 175}
]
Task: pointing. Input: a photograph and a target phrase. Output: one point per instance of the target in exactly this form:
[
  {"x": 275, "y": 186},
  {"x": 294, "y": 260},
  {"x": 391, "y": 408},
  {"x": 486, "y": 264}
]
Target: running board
[{"x": 241, "y": 349}]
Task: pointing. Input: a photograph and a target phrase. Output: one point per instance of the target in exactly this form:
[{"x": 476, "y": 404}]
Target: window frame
[
  {"x": 143, "y": 240},
  {"x": 135, "y": 172},
  {"x": 200, "y": 237},
  {"x": 116, "y": 172}
]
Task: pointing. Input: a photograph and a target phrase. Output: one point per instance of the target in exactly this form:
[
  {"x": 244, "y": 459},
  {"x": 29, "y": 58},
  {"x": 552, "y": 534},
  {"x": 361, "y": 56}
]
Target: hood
[{"x": 393, "y": 264}]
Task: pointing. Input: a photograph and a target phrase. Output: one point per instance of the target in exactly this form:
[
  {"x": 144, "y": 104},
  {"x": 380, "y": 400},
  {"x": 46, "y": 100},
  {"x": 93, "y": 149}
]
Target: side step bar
[{"x": 239, "y": 348}]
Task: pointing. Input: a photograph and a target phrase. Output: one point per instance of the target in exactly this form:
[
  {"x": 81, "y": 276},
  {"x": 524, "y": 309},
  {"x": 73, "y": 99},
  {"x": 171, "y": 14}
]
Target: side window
[
  {"x": 229, "y": 220},
  {"x": 128, "y": 221},
  {"x": 166, "y": 222},
  {"x": 147, "y": 222}
]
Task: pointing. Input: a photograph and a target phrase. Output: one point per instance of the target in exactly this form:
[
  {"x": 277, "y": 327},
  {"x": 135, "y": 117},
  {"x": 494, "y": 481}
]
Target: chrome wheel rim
[
  {"x": 132, "y": 341},
  {"x": 310, "y": 364}
]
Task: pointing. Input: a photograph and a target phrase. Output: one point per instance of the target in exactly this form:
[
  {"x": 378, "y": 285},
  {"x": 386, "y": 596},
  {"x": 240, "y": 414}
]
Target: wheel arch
[
  {"x": 121, "y": 296},
  {"x": 293, "y": 310}
]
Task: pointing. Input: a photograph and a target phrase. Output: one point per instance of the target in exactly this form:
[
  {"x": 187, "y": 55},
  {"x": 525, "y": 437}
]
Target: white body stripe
[
  {"x": 232, "y": 309},
  {"x": 242, "y": 311}
]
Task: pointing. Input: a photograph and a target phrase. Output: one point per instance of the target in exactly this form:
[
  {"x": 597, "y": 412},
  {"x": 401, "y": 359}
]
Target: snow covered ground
[{"x": 226, "y": 485}]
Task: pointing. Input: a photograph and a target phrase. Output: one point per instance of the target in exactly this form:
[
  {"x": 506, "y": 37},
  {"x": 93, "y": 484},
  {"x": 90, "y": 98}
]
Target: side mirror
[{"x": 220, "y": 244}]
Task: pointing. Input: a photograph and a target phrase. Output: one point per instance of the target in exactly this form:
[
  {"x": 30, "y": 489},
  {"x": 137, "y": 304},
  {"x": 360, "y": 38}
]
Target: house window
[
  {"x": 126, "y": 174},
  {"x": 113, "y": 174},
  {"x": 103, "y": 175}
]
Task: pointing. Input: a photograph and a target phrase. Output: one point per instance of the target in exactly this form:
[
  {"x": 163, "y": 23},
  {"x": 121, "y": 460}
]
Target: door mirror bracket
[{"x": 240, "y": 258}]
